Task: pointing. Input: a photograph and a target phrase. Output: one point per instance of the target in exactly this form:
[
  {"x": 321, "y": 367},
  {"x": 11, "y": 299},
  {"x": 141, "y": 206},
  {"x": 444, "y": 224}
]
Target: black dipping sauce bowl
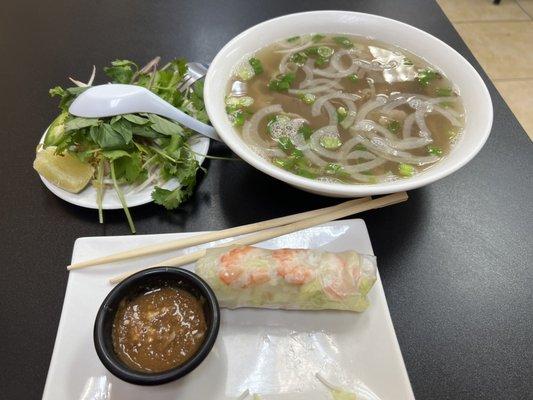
[{"x": 132, "y": 287}]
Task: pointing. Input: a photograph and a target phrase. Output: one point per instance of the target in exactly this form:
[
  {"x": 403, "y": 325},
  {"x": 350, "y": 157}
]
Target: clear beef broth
[
  {"x": 159, "y": 330},
  {"x": 377, "y": 72}
]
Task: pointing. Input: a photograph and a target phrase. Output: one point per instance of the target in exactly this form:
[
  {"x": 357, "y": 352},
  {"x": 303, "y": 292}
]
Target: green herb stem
[{"x": 121, "y": 198}]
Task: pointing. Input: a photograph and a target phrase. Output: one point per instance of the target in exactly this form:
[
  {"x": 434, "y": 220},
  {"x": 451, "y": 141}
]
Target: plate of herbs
[{"x": 126, "y": 160}]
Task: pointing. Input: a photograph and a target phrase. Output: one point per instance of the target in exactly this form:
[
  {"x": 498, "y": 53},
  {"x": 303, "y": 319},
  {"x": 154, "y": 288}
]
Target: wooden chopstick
[
  {"x": 210, "y": 236},
  {"x": 364, "y": 204}
]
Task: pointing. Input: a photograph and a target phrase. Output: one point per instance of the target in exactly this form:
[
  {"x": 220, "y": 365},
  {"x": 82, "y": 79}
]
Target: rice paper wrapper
[{"x": 291, "y": 279}]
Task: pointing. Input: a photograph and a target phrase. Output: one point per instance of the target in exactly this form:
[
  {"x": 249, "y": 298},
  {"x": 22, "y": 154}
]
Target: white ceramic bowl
[{"x": 474, "y": 93}]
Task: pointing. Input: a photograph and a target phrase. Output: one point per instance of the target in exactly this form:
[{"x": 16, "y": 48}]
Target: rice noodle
[
  {"x": 332, "y": 113},
  {"x": 408, "y": 125},
  {"x": 284, "y": 64},
  {"x": 369, "y": 125},
  {"x": 370, "y": 106},
  {"x": 297, "y": 48},
  {"x": 337, "y": 71},
  {"x": 317, "y": 89},
  {"x": 250, "y": 130},
  {"x": 380, "y": 147},
  {"x": 306, "y": 68},
  {"x": 420, "y": 118},
  {"x": 317, "y": 105},
  {"x": 366, "y": 166},
  {"x": 448, "y": 114},
  {"x": 317, "y": 81}
]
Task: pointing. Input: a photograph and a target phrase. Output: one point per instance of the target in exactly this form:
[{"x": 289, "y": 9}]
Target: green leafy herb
[
  {"x": 343, "y": 41},
  {"x": 256, "y": 65},
  {"x": 293, "y": 39},
  {"x": 121, "y": 71},
  {"x": 128, "y": 148}
]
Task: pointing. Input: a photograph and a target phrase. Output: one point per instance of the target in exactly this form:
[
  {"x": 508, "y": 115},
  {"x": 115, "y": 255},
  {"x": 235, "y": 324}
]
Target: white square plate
[{"x": 271, "y": 352}]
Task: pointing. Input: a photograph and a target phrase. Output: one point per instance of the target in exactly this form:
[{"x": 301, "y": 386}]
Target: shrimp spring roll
[{"x": 299, "y": 279}]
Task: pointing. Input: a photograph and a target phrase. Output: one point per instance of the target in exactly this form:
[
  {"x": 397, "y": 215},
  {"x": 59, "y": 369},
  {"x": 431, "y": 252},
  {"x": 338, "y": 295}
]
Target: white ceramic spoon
[{"x": 114, "y": 99}]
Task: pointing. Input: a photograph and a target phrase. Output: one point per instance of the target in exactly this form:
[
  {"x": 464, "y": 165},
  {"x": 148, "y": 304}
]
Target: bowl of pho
[{"x": 347, "y": 104}]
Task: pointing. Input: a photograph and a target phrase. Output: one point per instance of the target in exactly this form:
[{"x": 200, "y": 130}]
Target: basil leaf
[
  {"x": 164, "y": 126},
  {"x": 79, "y": 123},
  {"x": 135, "y": 119}
]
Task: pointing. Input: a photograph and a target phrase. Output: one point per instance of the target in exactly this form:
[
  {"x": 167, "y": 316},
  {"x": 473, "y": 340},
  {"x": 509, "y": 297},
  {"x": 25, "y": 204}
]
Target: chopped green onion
[
  {"x": 245, "y": 72},
  {"x": 360, "y": 147},
  {"x": 406, "y": 170},
  {"x": 330, "y": 142},
  {"x": 334, "y": 169},
  {"x": 256, "y": 65},
  {"x": 293, "y": 39},
  {"x": 341, "y": 114},
  {"x": 299, "y": 58},
  {"x": 281, "y": 83},
  {"x": 426, "y": 76},
  {"x": 444, "y": 92},
  {"x": 285, "y": 144},
  {"x": 407, "y": 61},
  {"x": 343, "y": 41},
  {"x": 353, "y": 77},
  {"x": 317, "y": 38},
  {"x": 306, "y": 131},
  {"x": 436, "y": 151},
  {"x": 393, "y": 126},
  {"x": 237, "y": 117},
  {"x": 307, "y": 98},
  {"x": 324, "y": 51},
  {"x": 321, "y": 61}
]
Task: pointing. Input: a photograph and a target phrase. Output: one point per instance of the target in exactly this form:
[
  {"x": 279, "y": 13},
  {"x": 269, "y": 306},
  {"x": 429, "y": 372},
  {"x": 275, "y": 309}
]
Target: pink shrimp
[
  {"x": 232, "y": 269},
  {"x": 338, "y": 280},
  {"x": 291, "y": 267}
]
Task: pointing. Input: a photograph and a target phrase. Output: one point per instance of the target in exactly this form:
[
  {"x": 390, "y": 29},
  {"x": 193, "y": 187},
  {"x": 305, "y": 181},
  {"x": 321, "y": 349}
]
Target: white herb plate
[
  {"x": 270, "y": 352},
  {"x": 87, "y": 197}
]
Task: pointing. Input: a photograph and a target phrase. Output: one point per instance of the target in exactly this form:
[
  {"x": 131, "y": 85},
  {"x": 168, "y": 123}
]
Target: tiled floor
[{"x": 501, "y": 38}]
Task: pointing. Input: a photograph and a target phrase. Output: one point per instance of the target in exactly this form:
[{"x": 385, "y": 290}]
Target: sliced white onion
[{"x": 250, "y": 130}]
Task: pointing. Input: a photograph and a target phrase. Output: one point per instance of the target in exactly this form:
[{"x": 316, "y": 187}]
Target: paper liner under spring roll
[{"x": 299, "y": 279}]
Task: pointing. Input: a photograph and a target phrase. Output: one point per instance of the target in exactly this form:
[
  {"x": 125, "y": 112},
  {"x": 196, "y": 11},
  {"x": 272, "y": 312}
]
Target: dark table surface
[{"x": 455, "y": 259}]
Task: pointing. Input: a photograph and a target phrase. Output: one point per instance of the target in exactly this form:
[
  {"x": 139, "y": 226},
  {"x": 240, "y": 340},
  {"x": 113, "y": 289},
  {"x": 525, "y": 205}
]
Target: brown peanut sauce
[{"x": 159, "y": 329}]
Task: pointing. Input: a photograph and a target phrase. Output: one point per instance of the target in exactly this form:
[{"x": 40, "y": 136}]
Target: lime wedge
[{"x": 65, "y": 171}]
